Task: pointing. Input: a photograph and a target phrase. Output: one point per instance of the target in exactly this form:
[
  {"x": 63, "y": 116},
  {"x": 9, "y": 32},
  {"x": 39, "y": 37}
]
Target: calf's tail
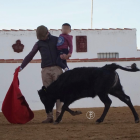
[{"x": 132, "y": 68}]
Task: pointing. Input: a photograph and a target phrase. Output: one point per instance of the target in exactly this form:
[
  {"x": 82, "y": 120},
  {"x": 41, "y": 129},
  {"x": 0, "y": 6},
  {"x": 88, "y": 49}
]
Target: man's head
[
  {"x": 42, "y": 32},
  {"x": 66, "y": 28}
]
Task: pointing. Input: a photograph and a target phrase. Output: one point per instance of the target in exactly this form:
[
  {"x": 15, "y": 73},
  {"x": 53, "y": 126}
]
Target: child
[{"x": 64, "y": 45}]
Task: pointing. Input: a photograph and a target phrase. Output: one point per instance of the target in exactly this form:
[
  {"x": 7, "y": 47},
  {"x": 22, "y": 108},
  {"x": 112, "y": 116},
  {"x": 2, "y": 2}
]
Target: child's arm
[{"x": 70, "y": 45}]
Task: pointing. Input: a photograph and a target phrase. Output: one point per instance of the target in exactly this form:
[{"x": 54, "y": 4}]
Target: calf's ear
[{"x": 44, "y": 88}]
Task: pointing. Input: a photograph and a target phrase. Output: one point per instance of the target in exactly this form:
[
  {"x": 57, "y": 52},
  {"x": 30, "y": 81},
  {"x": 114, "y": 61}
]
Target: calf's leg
[
  {"x": 107, "y": 102},
  {"x": 66, "y": 108},
  {"x": 61, "y": 114},
  {"x": 73, "y": 113},
  {"x": 126, "y": 99}
]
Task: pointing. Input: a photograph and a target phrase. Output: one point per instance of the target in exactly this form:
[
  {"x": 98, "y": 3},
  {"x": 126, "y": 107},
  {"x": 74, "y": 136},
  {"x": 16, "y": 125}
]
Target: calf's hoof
[
  {"x": 137, "y": 121},
  {"x": 58, "y": 120},
  {"x": 55, "y": 123},
  {"x": 76, "y": 113},
  {"x": 99, "y": 121}
]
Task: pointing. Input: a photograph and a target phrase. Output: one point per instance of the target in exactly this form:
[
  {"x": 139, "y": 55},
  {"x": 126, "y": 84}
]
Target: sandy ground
[{"x": 118, "y": 125}]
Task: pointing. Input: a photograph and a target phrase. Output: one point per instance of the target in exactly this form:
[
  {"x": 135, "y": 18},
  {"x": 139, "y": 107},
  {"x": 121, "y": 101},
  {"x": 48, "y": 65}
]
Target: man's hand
[
  {"x": 64, "y": 56},
  {"x": 19, "y": 69},
  {"x": 69, "y": 55}
]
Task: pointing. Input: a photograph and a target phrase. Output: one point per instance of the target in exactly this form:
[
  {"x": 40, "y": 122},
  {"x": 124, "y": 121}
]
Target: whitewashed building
[{"x": 104, "y": 46}]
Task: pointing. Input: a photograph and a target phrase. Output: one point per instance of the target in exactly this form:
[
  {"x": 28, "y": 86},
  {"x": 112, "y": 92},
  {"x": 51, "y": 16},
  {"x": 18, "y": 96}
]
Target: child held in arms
[{"x": 64, "y": 46}]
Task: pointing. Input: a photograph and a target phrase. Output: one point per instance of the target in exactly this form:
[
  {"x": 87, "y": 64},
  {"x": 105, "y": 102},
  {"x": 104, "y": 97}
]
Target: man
[{"x": 50, "y": 71}]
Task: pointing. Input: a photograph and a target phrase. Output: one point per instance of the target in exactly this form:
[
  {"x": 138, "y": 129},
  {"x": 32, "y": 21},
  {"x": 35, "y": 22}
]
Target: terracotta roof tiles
[{"x": 72, "y": 29}]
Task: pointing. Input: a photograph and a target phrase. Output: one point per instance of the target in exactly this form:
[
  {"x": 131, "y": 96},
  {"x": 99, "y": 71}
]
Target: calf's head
[{"x": 46, "y": 99}]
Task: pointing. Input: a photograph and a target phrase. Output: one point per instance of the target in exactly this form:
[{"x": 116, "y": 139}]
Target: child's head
[{"x": 66, "y": 28}]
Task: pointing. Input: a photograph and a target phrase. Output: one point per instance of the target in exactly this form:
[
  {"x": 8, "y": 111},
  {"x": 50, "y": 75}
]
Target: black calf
[{"x": 87, "y": 82}]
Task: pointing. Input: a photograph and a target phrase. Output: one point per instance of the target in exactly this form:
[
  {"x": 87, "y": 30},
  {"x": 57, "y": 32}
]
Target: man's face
[
  {"x": 46, "y": 35},
  {"x": 66, "y": 29}
]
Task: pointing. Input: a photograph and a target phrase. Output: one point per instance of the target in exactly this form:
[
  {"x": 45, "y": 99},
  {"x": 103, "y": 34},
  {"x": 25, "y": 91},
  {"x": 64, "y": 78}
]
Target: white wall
[
  {"x": 122, "y": 41},
  {"x": 98, "y": 41},
  {"x": 30, "y": 82}
]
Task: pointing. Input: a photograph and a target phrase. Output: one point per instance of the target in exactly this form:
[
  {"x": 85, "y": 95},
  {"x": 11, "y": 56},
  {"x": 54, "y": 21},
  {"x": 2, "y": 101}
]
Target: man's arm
[{"x": 29, "y": 57}]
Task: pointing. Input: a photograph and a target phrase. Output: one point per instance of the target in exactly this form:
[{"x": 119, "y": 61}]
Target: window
[
  {"x": 108, "y": 55},
  {"x": 81, "y": 43}
]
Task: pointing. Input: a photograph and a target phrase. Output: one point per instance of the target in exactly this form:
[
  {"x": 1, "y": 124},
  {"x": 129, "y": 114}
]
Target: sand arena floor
[{"x": 118, "y": 125}]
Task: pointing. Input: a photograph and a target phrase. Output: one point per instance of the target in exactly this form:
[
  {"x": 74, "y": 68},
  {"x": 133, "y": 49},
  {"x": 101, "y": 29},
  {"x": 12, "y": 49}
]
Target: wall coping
[
  {"x": 75, "y": 60},
  {"x": 72, "y": 29}
]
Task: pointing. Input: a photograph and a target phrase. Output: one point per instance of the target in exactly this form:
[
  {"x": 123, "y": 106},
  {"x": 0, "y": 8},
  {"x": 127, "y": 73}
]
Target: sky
[{"x": 28, "y": 14}]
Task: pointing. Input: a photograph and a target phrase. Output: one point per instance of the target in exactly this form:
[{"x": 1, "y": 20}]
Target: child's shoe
[{"x": 66, "y": 69}]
